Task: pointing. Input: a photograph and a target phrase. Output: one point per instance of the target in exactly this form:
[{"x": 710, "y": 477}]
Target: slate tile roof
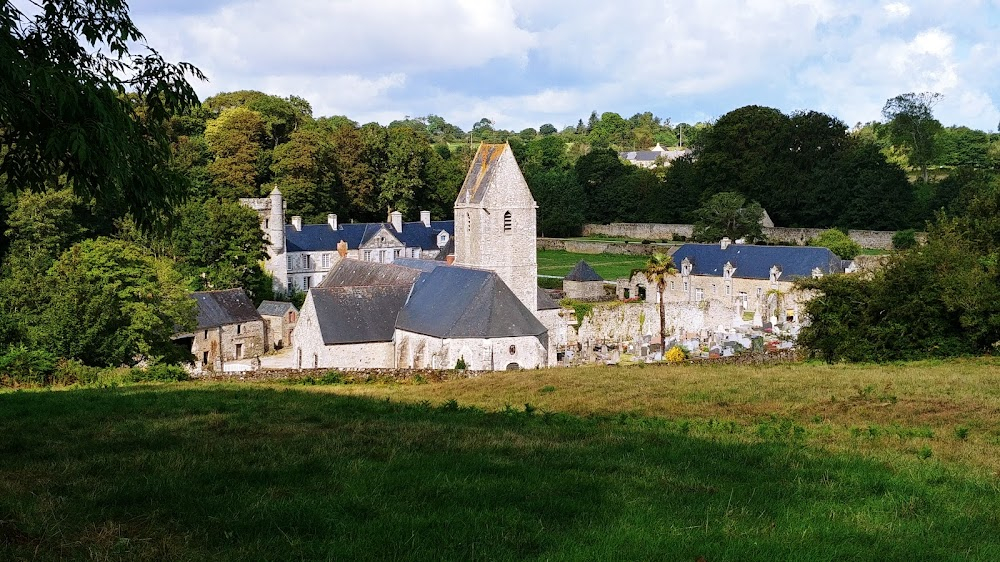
[
  {"x": 358, "y": 273},
  {"x": 358, "y": 314},
  {"x": 583, "y": 272},
  {"x": 221, "y": 308},
  {"x": 755, "y": 262},
  {"x": 275, "y": 308},
  {"x": 320, "y": 237}
]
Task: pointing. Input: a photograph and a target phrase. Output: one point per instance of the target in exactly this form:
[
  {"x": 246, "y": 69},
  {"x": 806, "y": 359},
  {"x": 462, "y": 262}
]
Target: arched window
[
  {"x": 508, "y": 221},
  {"x": 468, "y": 222}
]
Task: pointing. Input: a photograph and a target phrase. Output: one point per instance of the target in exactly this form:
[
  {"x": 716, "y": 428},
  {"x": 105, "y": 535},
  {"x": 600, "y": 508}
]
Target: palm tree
[{"x": 658, "y": 268}]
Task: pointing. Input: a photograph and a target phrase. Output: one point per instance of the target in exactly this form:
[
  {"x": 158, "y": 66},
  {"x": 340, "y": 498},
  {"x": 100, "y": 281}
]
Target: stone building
[
  {"x": 485, "y": 309},
  {"x": 280, "y": 318},
  {"x": 584, "y": 284},
  {"x": 726, "y": 285},
  {"x": 229, "y": 329},
  {"x": 299, "y": 255}
]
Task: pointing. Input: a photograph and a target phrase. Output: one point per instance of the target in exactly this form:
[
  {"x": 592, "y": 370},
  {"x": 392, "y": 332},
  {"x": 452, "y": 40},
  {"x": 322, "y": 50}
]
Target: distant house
[
  {"x": 583, "y": 283},
  {"x": 280, "y": 318},
  {"x": 656, "y": 156},
  {"x": 229, "y": 328},
  {"x": 300, "y": 255}
]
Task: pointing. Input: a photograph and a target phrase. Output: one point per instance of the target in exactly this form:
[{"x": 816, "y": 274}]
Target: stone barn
[
  {"x": 584, "y": 284},
  {"x": 280, "y": 318},
  {"x": 229, "y": 329}
]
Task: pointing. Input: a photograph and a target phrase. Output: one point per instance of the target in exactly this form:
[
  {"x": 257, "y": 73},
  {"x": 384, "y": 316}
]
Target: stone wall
[
  {"x": 602, "y": 247},
  {"x": 879, "y": 239},
  {"x": 420, "y": 351}
]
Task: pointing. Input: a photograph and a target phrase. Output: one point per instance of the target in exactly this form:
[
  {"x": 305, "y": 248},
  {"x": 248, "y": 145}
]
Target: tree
[
  {"x": 837, "y": 242},
  {"x": 234, "y": 139},
  {"x": 547, "y": 129},
  {"x": 658, "y": 269},
  {"x": 728, "y": 215},
  {"x": 305, "y": 169},
  {"x": 911, "y": 124},
  {"x": 65, "y": 115},
  {"x": 110, "y": 302}
]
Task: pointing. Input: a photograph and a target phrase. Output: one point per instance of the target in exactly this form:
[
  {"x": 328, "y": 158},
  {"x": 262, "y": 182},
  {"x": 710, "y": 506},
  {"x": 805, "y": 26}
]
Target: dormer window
[
  {"x": 775, "y": 273},
  {"x": 727, "y": 271},
  {"x": 508, "y": 222},
  {"x": 686, "y": 266},
  {"x": 817, "y": 273}
]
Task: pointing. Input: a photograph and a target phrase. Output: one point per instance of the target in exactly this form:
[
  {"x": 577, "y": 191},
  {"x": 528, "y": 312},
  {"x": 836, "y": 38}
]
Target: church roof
[
  {"x": 545, "y": 302},
  {"x": 456, "y": 302},
  {"x": 358, "y": 314},
  {"x": 357, "y": 273},
  {"x": 482, "y": 172},
  {"x": 755, "y": 262},
  {"x": 221, "y": 308},
  {"x": 583, "y": 272},
  {"x": 320, "y": 237},
  {"x": 275, "y": 308}
]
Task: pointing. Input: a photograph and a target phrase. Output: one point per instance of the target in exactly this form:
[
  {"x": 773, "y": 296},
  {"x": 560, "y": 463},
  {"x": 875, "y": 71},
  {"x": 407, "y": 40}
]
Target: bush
[
  {"x": 838, "y": 242},
  {"x": 20, "y": 365},
  {"x": 460, "y": 364},
  {"x": 675, "y": 354},
  {"x": 160, "y": 373},
  {"x": 904, "y": 239}
]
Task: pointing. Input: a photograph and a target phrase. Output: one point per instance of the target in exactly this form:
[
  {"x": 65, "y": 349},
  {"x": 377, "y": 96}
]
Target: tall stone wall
[
  {"x": 601, "y": 247},
  {"x": 879, "y": 239}
]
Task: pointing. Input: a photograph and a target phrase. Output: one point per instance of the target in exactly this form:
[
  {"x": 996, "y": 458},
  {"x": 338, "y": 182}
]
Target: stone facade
[
  {"x": 417, "y": 351},
  {"x": 312, "y": 352},
  {"x": 212, "y": 347},
  {"x": 585, "y": 290}
]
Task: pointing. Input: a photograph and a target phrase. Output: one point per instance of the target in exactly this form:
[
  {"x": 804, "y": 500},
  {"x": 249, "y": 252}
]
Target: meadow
[
  {"x": 786, "y": 462},
  {"x": 608, "y": 266}
]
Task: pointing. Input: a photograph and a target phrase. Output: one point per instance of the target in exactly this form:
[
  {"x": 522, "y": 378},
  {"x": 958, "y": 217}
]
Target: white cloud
[{"x": 897, "y": 10}]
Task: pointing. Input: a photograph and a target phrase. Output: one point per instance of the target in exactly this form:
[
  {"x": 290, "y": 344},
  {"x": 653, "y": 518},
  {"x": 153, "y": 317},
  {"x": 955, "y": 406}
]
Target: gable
[{"x": 494, "y": 179}]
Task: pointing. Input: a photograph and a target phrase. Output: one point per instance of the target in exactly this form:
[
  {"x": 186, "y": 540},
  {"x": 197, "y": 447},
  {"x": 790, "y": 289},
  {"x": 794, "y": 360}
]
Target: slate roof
[
  {"x": 545, "y": 302},
  {"x": 357, "y": 273},
  {"x": 482, "y": 170},
  {"x": 358, "y": 314},
  {"x": 754, "y": 262},
  {"x": 275, "y": 308},
  {"x": 320, "y": 237},
  {"x": 456, "y": 302},
  {"x": 221, "y": 308},
  {"x": 583, "y": 272}
]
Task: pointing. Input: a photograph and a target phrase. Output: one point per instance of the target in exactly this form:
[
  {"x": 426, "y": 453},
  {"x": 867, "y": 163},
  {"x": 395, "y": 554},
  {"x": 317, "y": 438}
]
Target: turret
[{"x": 276, "y": 223}]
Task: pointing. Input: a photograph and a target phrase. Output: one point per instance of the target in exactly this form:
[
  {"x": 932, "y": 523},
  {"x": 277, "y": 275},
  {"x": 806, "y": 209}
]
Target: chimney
[
  {"x": 725, "y": 243},
  {"x": 450, "y": 259},
  {"x": 332, "y": 220},
  {"x": 297, "y": 222},
  {"x": 396, "y": 218},
  {"x": 342, "y": 248},
  {"x": 425, "y": 217}
]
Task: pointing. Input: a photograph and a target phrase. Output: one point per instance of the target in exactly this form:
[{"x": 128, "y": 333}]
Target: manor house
[{"x": 299, "y": 255}]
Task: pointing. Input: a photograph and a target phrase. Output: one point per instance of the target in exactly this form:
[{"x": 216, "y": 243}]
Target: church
[{"x": 480, "y": 307}]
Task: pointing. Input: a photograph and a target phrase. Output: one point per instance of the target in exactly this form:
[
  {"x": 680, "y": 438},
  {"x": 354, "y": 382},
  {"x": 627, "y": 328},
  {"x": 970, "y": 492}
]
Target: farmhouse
[
  {"x": 485, "y": 310},
  {"x": 229, "y": 328},
  {"x": 279, "y": 318},
  {"x": 299, "y": 255},
  {"x": 656, "y": 156}
]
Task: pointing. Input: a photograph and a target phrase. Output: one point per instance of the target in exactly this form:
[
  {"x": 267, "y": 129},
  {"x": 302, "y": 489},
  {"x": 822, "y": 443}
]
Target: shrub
[
  {"x": 460, "y": 364},
  {"x": 675, "y": 354},
  {"x": 838, "y": 243},
  {"x": 160, "y": 373},
  {"x": 20, "y": 365},
  {"x": 904, "y": 239}
]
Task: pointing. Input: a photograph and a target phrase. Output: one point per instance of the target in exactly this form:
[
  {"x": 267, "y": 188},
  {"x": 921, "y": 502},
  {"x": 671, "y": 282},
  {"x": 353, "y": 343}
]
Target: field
[
  {"x": 786, "y": 462},
  {"x": 608, "y": 266}
]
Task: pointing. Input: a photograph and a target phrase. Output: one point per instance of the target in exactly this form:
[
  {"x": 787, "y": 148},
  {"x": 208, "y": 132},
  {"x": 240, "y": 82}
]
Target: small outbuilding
[
  {"x": 229, "y": 329},
  {"x": 279, "y": 318},
  {"x": 583, "y": 283}
]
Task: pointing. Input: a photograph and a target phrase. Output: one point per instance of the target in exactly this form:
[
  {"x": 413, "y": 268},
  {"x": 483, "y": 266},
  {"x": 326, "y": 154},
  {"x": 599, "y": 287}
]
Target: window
[
  {"x": 508, "y": 221},
  {"x": 699, "y": 295},
  {"x": 290, "y": 261},
  {"x": 368, "y": 255},
  {"x": 672, "y": 286},
  {"x": 326, "y": 261},
  {"x": 759, "y": 292},
  {"x": 206, "y": 334},
  {"x": 395, "y": 253},
  {"x": 305, "y": 283},
  {"x": 305, "y": 261},
  {"x": 468, "y": 222},
  {"x": 289, "y": 286},
  {"x": 239, "y": 351},
  {"x": 715, "y": 289},
  {"x": 687, "y": 286},
  {"x": 267, "y": 224},
  {"x": 239, "y": 329},
  {"x": 729, "y": 290},
  {"x": 204, "y": 358}
]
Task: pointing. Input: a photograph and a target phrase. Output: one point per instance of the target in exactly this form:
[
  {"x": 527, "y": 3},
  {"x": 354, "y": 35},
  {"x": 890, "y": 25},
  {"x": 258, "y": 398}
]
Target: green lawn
[
  {"x": 661, "y": 463},
  {"x": 608, "y": 266}
]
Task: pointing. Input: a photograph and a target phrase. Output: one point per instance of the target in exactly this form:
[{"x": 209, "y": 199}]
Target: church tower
[{"x": 495, "y": 222}]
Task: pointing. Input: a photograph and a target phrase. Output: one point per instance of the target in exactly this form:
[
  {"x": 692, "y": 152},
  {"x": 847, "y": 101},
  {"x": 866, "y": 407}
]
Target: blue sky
[{"x": 522, "y": 63}]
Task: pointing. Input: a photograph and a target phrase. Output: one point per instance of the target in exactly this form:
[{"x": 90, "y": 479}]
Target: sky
[{"x": 522, "y": 63}]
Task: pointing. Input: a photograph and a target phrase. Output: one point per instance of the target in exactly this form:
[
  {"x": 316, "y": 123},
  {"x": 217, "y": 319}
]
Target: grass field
[
  {"x": 786, "y": 462},
  {"x": 608, "y": 266}
]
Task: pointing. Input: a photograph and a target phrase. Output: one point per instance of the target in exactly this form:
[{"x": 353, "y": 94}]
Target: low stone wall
[
  {"x": 348, "y": 375},
  {"x": 602, "y": 247},
  {"x": 879, "y": 239}
]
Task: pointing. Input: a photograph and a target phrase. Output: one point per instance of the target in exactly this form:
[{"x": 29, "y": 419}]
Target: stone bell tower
[{"x": 495, "y": 222}]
